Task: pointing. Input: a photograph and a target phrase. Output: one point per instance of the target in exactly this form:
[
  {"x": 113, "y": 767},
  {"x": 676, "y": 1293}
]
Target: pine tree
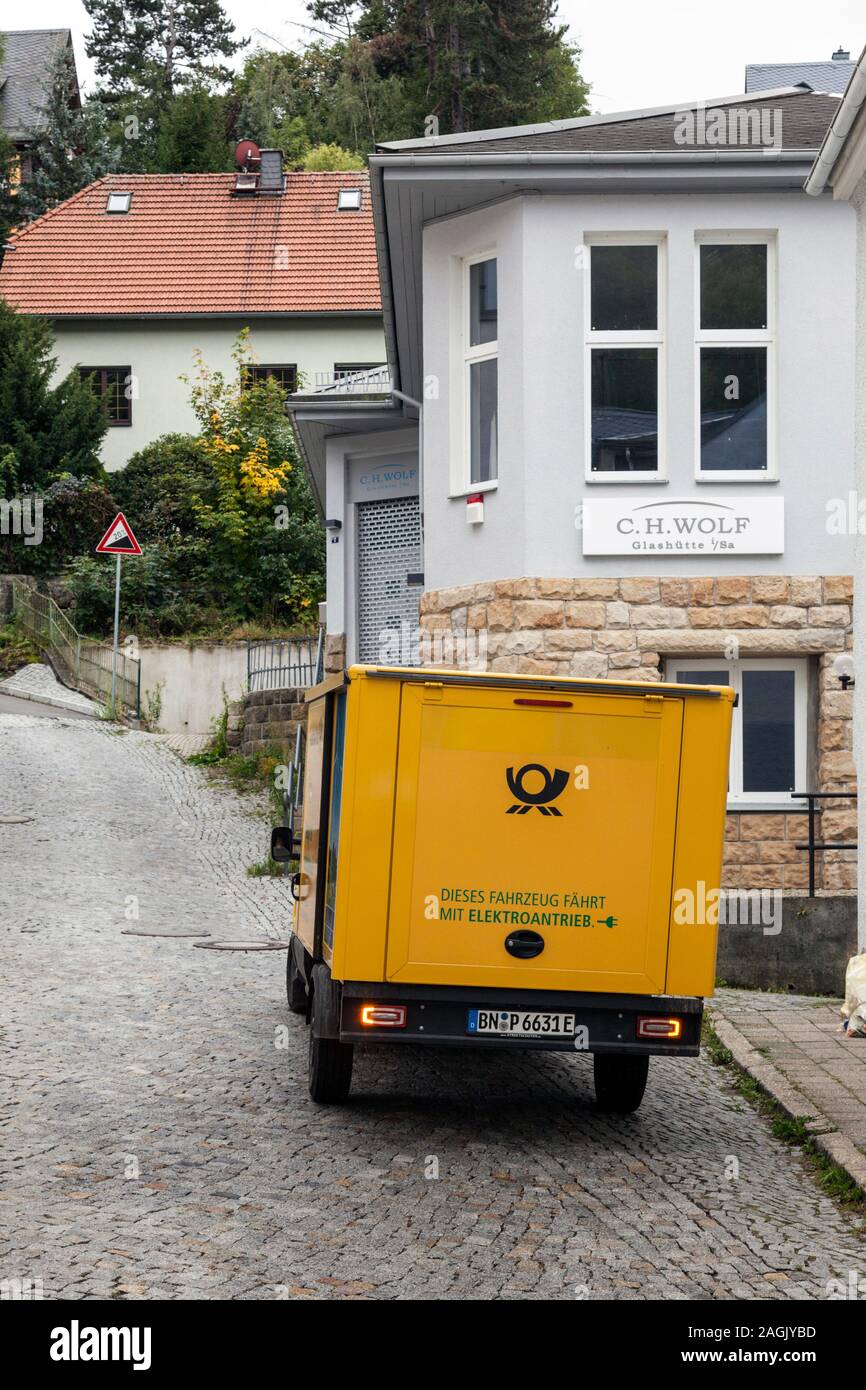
[
  {"x": 159, "y": 46},
  {"x": 472, "y": 64},
  {"x": 45, "y": 431},
  {"x": 71, "y": 148},
  {"x": 191, "y": 136}
]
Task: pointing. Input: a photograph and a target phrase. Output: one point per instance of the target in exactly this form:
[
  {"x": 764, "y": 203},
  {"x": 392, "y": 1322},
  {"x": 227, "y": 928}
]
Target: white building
[
  {"x": 138, "y": 273},
  {"x": 629, "y": 339},
  {"x": 840, "y": 169}
]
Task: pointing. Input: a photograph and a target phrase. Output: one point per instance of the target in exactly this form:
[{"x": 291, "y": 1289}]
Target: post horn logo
[{"x": 553, "y": 785}]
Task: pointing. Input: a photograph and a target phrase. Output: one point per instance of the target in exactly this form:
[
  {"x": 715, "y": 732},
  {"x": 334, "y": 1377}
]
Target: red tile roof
[{"x": 187, "y": 246}]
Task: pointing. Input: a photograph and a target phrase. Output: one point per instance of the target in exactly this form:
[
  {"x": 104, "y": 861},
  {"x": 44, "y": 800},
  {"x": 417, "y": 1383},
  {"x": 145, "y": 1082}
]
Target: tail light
[
  {"x": 668, "y": 1028},
  {"x": 383, "y": 1015}
]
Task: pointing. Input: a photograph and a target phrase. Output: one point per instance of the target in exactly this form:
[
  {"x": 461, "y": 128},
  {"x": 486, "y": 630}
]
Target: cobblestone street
[{"x": 157, "y": 1136}]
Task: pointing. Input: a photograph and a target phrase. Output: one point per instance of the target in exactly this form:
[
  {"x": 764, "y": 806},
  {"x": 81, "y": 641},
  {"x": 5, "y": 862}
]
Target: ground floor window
[{"x": 769, "y": 741}]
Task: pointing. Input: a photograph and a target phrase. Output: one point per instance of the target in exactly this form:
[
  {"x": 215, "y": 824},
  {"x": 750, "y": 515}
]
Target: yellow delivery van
[{"x": 491, "y": 860}]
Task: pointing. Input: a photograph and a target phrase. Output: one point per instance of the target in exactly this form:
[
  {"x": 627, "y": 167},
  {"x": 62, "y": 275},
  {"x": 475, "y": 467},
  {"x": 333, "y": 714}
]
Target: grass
[
  {"x": 793, "y": 1131},
  {"x": 246, "y": 775},
  {"x": 16, "y": 649}
]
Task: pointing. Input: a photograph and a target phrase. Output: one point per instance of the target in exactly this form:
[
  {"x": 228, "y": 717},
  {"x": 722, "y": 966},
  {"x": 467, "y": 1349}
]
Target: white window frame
[
  {"x": 737, "y": 798},
  {"x": 737, "y": 338},
  {"x": 481, "y": 352},
  {"x": 655, "y": 337}
]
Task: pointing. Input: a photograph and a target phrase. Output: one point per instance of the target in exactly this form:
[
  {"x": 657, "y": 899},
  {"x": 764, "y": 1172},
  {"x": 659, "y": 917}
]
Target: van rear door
[{"x": 533, "y": 837}]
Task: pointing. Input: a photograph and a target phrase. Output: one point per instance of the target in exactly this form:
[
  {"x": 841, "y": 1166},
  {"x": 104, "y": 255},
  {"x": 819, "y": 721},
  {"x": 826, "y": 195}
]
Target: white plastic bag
[
  {"x": 857, "y": 1022},
  {"x": 855, "y": 985}
]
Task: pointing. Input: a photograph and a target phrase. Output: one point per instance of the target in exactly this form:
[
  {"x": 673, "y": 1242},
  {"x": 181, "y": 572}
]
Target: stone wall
[
  {"x": 807, "y": 956},
  {"x": 625, "y": 628},
  {"x": 265, "y": 719}
]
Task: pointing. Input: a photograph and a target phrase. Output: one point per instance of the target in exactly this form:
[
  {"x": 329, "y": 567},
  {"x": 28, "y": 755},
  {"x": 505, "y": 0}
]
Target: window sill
[
  {"x": 747, "y": 476},
  {"x": 625, "y": 479},
  {"x": 766, "y": 808},
  {"x": 471, "y": 490}
]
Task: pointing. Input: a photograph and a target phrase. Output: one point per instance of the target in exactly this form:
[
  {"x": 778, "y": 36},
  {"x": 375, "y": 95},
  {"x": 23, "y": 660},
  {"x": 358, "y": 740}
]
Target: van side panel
[
  {"x": 366, "y": 829},
  {"x": 700, "y": 846}
]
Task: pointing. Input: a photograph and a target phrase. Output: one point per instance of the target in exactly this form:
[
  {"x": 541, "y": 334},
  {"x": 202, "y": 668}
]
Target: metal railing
[
  {"x": 818, "y": 846},
  {"x": 294, "y": 663},
  {"x": 84, "y": 664}
]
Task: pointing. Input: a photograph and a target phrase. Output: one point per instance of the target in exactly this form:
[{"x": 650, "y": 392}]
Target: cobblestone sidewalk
[
  {"x": 37, "y": 681},
  {"x": 791, "y": 1044},
  {"x": 157, "y": 1138}
]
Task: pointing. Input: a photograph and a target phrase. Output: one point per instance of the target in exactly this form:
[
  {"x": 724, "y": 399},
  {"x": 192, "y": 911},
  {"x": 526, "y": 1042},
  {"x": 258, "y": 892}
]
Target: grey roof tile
[
  {"x": 805, "y": 116},
  {"x": 25, "y": 73}
]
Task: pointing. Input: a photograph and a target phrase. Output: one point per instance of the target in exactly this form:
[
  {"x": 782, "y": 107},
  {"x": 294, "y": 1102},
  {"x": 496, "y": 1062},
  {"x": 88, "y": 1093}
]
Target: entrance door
[{"x": 389, "y": 552}]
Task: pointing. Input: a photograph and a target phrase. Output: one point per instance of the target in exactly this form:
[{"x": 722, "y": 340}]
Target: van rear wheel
[
  {"x": 330, "y": 1064},
  {"x": 620, "y": 1080}
]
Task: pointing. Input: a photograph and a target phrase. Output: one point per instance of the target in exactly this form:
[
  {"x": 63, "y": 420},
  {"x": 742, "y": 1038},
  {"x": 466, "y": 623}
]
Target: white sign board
[{"x": 678, "y": 526}]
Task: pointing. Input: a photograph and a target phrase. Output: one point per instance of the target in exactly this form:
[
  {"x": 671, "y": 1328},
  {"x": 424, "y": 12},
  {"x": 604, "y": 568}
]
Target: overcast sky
[{"x": 635, "y": 52}]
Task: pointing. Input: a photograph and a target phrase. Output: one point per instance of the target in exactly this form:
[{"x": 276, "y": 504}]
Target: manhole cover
[
  {"x": 15, "y": 820},
  {"x": 157, "y": 931},
  {"x": 242, "y": 945}
]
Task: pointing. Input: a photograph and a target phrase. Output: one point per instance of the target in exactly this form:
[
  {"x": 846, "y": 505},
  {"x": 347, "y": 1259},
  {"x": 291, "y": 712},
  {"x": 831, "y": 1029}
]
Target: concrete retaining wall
[{"x": 808, "y": 956}]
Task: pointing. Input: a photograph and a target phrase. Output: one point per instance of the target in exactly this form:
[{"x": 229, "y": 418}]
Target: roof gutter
[
  {"x": 766, "y": 155},
  {"x": 840, "y": 128}
]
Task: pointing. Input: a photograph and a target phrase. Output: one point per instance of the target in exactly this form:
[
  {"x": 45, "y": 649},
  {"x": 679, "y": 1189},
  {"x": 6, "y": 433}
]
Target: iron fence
[
  {"x": 83, "y": 664},
  {"x": 813, "y": 845},
  {"x": 293, "y": 663}
]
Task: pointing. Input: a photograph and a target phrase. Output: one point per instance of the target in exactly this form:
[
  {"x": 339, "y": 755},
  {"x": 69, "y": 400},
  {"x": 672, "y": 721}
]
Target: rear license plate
[{"x": 514, "y": 1023}]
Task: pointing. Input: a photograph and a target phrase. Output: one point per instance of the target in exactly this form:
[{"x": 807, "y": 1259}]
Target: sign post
[{"x": 118, "y": 541}]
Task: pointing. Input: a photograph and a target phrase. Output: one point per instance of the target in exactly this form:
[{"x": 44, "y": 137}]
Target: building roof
[
  {"x": 187, "y": 247},
  {"x": 841, "y": 160},
  {"x": 830, "y": 76},
  {"x": 25, "y": 75},
  {"x": 805, "y": 115}
]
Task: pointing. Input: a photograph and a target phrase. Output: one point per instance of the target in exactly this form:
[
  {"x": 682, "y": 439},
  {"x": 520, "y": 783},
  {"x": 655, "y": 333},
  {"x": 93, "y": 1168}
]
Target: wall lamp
[{"x": 843, "y": 667}]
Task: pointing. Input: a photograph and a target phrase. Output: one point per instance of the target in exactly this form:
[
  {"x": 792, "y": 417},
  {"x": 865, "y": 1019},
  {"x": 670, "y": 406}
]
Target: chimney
[
  {"x": 271, "y": 173},
  {"x": 841, "y": 56}
]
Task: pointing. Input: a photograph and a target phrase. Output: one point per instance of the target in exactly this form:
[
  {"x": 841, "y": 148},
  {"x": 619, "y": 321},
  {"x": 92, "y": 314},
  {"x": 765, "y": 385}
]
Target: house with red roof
[{"x": 138, "y": 272}]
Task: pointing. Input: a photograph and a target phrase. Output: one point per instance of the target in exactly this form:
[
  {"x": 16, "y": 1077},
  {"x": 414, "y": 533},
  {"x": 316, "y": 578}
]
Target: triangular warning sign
[{"x": 118, "y": 539}]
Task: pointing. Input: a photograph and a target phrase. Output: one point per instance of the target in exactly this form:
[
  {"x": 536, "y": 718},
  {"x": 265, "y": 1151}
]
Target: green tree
[
  {"x": 269, "y": 101},
  {"x": 191, "y": 136},
  {"x": 472, "y": 64},
  {"x": 46, "y": 431},
  {"x": 71, "y": 149},
  {"x": 159, "y": 46},
  {"x": 322, "y": 158}
]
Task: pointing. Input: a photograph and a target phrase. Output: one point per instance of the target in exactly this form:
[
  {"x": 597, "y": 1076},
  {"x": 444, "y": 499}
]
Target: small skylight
[
  {"x": 349, "y": 200},
  {"x": 118, "y": 202}
]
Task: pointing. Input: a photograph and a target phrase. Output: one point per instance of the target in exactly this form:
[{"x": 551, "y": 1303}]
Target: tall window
[
  {"x": 113, "y": 385},
  {"x": 769, "y": 733},
  {"x": 735, "y": 356},
  {"x": 624, "y": 352},
  {"x": 480, "y": 370}
]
